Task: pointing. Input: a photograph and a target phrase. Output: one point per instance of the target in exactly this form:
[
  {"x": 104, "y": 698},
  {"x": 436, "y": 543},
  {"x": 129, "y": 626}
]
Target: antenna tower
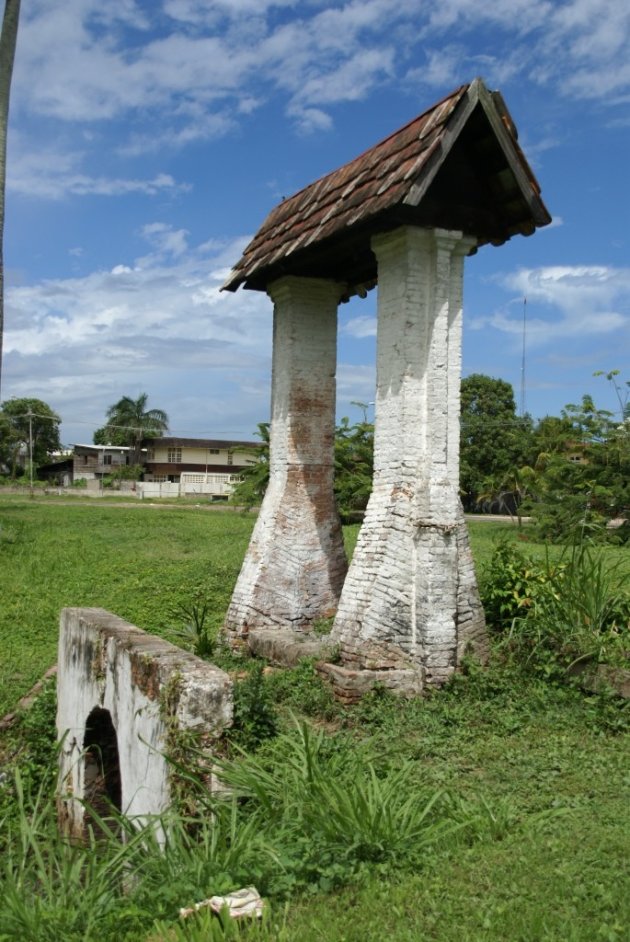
[{"x": 523, "y": 356}]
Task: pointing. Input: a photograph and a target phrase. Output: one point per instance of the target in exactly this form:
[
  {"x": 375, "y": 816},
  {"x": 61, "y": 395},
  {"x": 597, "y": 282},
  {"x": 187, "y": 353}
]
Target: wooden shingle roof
[{"x": 458, "y": 165}]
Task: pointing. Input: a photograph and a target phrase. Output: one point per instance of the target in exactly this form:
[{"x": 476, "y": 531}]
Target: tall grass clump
[
  {"x": 123, "y": 874},
  {"x": 566, "y": 609},
  {"x": 335, "y": 811},
  {"x": 308, "y": 816},
  {"x": 52, "y": 889}
]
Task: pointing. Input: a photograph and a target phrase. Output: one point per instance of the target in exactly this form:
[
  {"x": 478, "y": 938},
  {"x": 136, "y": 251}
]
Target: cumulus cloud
[
  {"x": 53, "y": 174},
  {"x": 362, "y": 326},
  {"x": 580, "y": 300},
  {"x": 79, "y": 61},
  {"x": 355, "y": 383},
  {"x": 158, "y": 324}
]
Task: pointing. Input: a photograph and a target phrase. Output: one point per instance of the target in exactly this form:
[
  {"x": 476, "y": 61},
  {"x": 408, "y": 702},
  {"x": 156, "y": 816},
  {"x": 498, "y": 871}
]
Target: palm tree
[
  {"x": 8, "y": 39},
  {"x": 136, "y": 422},
  {"x": 254, "y": 477}
]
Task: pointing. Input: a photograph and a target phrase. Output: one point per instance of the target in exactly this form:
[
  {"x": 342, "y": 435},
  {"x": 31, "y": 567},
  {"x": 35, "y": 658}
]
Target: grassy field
[
  {"x": 542, "y": 771},
  {"x": 140, "y": 561}
]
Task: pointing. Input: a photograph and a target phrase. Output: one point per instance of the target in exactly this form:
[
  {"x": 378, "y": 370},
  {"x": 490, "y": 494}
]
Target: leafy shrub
[
  {"x": 334, "y": 814},
  {"x": 558, "y": 613},
  {"x": 255, "y": 718},
  {"x": 30, "y": 746},
  {"x": 302, "y": 689},
  {"x": 354, "y": 461},
  {"x": 509, "y": 585},
  {"x": 583, "y": 614},
  {"x": 196, "y": 633}
]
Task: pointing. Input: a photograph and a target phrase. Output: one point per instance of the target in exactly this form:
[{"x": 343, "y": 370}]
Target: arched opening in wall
[{"x": 101, "y": 773}]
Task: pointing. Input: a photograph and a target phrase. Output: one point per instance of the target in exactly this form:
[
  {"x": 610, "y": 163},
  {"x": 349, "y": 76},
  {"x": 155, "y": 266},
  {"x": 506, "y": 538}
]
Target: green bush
[
  {"x": 196, "y": 633},
  {"x": 255, "y": 718},
  {"x": 303, "y": 690},
  {"x": 334, "y": 813},
  {"x": 509, "y": 585},
  {"x": 30, "y": 747},
  {"x": 557, "y": 613}
]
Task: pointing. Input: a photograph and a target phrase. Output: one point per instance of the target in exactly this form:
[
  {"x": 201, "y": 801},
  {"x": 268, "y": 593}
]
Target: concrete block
[{"x": 123, "y": 695}]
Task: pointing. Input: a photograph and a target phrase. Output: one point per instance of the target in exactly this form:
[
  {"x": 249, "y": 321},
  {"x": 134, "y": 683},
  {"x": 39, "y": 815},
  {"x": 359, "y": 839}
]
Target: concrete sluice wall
[{"x": 123, "y": 695}]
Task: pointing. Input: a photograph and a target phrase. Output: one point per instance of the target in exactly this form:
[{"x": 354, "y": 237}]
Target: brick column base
[
  {"x": 410, "y": 600},
  {"x": 296, "y": 563}
]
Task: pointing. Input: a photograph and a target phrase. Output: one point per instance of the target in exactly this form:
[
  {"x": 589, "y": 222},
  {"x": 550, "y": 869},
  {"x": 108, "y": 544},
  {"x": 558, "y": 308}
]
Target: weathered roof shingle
[{"x": 458, "y": 165}]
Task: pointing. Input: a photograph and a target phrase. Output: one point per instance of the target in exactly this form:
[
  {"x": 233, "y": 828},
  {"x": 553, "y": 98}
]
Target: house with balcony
[{"x": 195, "y": 465}]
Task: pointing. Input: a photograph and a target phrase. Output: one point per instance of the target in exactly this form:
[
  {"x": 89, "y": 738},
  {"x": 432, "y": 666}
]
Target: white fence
[
  {"x": 157, "y": 489},
  {"x": 191, "y": 482}
]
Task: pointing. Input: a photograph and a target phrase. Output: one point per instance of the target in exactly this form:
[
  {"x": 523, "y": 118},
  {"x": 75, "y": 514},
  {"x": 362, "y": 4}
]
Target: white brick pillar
[
  {"x": 296, "y": 563},
  {"x": 410, "y": 598}
]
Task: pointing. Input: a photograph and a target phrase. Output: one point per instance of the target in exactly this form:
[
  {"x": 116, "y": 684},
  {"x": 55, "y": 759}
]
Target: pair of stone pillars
[{"x": 409, "y": 599}]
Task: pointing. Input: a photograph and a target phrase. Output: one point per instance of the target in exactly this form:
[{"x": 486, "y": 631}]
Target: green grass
[
  {"x": 140, "y": 562},
  {"x": 556, "y": 784},
  {"x": 330, "y": 828}
]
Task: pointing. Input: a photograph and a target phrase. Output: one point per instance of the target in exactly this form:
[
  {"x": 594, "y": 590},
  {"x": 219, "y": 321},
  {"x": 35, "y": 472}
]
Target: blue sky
[{"x": 150, "y": 138}]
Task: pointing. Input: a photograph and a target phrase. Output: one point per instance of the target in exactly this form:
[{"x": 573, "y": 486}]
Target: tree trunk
[{"x": 7, "y": 55}]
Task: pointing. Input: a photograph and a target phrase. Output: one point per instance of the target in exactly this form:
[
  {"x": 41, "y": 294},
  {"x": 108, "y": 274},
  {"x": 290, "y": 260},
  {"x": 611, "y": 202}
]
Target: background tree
[
  {"x": 622, "y": 391},
  {"x": 494, "y": 440},
  {"x": 354, "y": 465},
  {"x": 585, "y": 477},
  {"x": 354, "y": 448},
  {"x": 7, "y": 444},
  {"x": 251, "y": 490},
  {"x": 132, "y": 418},
  {"x": 115, "y": 436},
  {"x": 8, "y": 39},
  {"x": 24, "y": 422}
]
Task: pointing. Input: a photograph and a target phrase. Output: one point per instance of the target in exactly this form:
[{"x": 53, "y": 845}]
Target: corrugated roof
[{"x": 389, "y": 184}]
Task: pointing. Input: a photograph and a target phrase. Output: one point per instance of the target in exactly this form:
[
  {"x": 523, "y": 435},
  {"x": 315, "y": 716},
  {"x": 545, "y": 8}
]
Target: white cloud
[
  {"x": 362, "y": 326},
  {"x": 50, "y": 174},
  {"x": 351, "y": 80},
  {"x": 204, "y": 127},
  {"x": 165, "y": 239},
  {"x": 355, "y": 383},
  {"x": 583, "y": 300},
  {"x": 158, "y": 323},
  {"x": 311, "y": 120},
  {"x": 442, "y": 67},
  {"x": 573, "y": 288},
  {"x": 203, "y": 12},
  {"x": 190, "y": 70}
]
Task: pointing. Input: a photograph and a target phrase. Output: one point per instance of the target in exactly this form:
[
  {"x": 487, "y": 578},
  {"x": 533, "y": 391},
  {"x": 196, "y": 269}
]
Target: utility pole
[{"x": 30, "y": 447}]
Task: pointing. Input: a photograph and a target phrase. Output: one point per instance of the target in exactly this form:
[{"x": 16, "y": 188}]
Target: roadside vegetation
[
  {"x": 565, "y": 471},
  {"x": 494, "y": 809}
]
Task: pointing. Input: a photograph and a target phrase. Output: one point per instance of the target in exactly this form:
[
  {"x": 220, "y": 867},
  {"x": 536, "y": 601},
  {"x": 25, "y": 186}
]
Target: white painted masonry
[
  {"x": 410, "y": 598},
  {"x": 295, "y": 565},
  {"x": 148, "y": 689}
]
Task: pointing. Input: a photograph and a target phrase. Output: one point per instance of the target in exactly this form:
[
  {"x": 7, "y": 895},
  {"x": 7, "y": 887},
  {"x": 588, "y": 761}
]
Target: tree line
[
  {"x": 29, "y": 431},
  {"x": 567, "y": 471}
]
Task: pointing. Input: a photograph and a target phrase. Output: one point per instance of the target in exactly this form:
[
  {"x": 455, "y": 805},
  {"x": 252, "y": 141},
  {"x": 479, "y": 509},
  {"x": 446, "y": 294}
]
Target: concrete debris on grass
[{"x": 242, "y": 904}]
